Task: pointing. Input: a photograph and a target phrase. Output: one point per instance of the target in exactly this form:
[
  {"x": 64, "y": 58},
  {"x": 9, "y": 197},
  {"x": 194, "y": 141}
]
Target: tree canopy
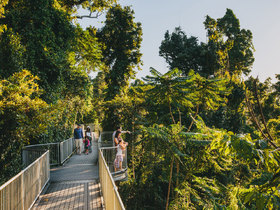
[
  {"x": 228, "y": 49},
  {"x": 203, "y": 136}
]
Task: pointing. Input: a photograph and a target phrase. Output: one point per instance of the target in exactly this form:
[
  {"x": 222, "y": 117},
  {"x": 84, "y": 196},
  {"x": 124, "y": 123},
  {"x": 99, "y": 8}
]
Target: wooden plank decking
[{"x": 74, "y": 185}]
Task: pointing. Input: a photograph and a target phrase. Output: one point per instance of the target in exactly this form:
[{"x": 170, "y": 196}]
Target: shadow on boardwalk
[{"x": 73, "y": 185}]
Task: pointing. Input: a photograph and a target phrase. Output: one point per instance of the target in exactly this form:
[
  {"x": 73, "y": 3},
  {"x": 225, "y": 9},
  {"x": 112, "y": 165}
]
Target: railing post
[
  {"x": 60, "y": 152},
  {"x": 114, "y": 198},
  {"x": 24, "y": 158}
]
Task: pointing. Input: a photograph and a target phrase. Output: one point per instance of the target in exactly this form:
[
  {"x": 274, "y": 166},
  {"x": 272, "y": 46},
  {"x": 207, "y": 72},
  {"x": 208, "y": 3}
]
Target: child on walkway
[
  {"x": 121, "y": 146},
  {"x": 88, "y": 133},
  {"x": 87, "y": 144}
]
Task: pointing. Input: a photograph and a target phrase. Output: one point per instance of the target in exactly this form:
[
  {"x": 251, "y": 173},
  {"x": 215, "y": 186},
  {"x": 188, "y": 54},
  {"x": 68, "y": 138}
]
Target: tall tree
[
  {"x": 121, "y": 37},
  {"x": 46, "y": 33},
  {"x": 228, "y": 49},
  {"x": 172, "y": 89},
  {"x": 181, "y": 52},
  {"x": 86, "y": 54},
  {"x": 210, "y": 94},
  {"x": 231, "y": 45},
  {"x": 23, "y": 116}
]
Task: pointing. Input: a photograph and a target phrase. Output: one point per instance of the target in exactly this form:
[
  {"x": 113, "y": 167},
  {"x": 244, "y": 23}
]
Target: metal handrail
[
  {"x": 110, "y": 192},
  {"x": 32, "y": 152},
  {"x": 22, "y": 190},
  {"x": 59, "y": 151},
  {"x": 67, "y": 148},
  {"x": 106, "y": 141},
  {"x": 109, "y": 154},
  {"x": 106, "y": 144},
  {"x": 40, "y": 144}
]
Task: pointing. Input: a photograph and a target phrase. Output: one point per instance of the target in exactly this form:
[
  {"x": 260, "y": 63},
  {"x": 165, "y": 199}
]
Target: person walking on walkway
[
  {"x": 87, "y": 145},
  {"x": 88, "y": 134},
  {"x": 78, "y": 135}
]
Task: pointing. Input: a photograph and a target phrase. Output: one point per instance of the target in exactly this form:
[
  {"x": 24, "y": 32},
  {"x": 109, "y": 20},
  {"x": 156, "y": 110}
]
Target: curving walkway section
[{"x": 74, "y": 185}]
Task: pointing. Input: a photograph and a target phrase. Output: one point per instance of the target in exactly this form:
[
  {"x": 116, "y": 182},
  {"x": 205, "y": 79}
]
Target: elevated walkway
[{"x": 74, "y": 185}]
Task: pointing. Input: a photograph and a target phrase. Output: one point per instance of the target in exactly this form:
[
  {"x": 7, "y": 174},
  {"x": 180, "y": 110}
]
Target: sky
[{"x": 157, "y": 16}]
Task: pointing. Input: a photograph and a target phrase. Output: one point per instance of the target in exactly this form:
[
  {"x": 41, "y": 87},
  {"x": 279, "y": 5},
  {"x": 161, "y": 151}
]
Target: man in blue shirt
[{"x": 78, "y": 135}]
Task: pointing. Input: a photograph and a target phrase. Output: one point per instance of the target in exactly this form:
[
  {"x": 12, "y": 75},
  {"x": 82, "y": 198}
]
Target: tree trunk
[
  {"x": 180, "y": 118},
  {"x": 197, "y": 109},
  {"x": 132, "y": 149},
  {"x": 250, "y": 108},
  {"x": 172, "y": 117},
  {"x": 74, "y": 122},
  {"x": 262, "y": 115},
  {"x": 177, "y": 174},
  {"x": 169, "y": 185}
]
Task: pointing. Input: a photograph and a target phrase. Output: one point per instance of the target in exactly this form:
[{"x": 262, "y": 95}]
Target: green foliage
[
  {"x": 20, "y": 94},
  {"x": 184, "y": 93},
  {"x": 232, "y": 47},
  {"x": 181, "y": 52},
  {"x": 2, "y": 14},
  {"x": 229, "y": 48},
  {"x": 42, "y": 104},
  {"x": 121, "y": 38},
  {"x": 91, "y": 5},
  {"x": 276, "y": 86},
  {"x": 231, "y": 116},
  {"x": 211, "y": 93},
  {"x": 274, "y": 127},
  {"x": 227, "y": 54},
  {"x": 170, "y": 89},
  {"x": 229, "y": 171},
  {"x": 262, "y": 102},
  {"x": 23, "y": 115},
  {"x": 98, "y": 96},
  {"x": 87, "y": 52},
  {"x": 11, "y": 53},
  {"x": 46, "y": 35},
  {"x": 2, "y": 9}
]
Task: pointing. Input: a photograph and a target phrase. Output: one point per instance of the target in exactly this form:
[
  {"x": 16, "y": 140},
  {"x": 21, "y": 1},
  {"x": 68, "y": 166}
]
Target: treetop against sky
[{"x": 158, "y": 16}]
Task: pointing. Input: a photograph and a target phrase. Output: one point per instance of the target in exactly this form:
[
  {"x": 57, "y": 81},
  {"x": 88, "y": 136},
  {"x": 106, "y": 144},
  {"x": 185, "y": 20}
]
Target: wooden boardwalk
[{"x": 74, "y": 185}]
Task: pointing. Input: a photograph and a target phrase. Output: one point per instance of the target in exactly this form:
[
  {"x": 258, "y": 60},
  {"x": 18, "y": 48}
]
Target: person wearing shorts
[
  {"x": 118, "y": 161},
  {"x": 120, "y": 148}
]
